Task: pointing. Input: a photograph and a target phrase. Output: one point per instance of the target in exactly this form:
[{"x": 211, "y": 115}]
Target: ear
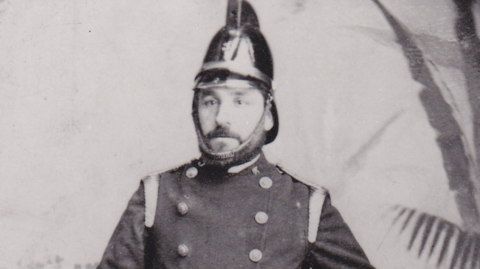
[{"x": 268, "y": 122}]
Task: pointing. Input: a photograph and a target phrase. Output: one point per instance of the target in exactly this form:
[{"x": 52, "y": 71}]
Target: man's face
[{"x": 228, "y": 117}]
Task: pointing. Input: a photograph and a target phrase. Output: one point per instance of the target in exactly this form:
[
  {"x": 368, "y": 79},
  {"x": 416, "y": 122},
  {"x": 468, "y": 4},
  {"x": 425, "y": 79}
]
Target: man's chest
[{"x": 237, "y": 221}]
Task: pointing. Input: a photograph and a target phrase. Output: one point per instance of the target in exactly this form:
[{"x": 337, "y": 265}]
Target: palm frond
[
  {"x": 450, "y": 135},
  {"x": 436, "y": 238}
]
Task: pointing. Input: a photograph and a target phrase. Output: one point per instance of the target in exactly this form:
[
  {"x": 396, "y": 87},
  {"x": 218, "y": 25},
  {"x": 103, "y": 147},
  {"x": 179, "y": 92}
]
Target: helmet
[{"x": 239, "y": 51}]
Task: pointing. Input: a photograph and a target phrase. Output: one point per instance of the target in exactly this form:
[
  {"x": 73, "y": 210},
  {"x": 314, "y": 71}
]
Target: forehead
[{"x": 231, "y": 92}]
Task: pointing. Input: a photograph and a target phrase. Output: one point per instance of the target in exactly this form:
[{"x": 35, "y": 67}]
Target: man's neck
[{"x": 238, "y": 168}]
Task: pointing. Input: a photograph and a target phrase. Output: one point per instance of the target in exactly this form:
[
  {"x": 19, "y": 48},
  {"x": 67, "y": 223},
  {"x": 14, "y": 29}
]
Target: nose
[{"x": 224, "y": 115}]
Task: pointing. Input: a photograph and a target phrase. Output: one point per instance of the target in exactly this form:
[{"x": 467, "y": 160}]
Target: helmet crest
[{"x": 240, "y": 13}]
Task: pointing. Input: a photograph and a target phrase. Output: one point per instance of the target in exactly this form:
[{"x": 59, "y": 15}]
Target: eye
[
  {"x": 209, "y": 102},
  {"x": 240, "y": 101}
]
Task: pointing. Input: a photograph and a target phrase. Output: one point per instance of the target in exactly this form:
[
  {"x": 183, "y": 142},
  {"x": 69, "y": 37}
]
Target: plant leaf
[
  {"x": 416, "y": 229},
  {"x": 459, "y": 249},
  {"x": 466, "y": 251},
  {"x": 441, "y": 226},
  {"x": 426, "y": 233},
  {"x": 407, "y": 220},
  {"x": 464, "y": 245},
  {"x": 399, "y": 215},
  {"x": 446, "y": 242}
]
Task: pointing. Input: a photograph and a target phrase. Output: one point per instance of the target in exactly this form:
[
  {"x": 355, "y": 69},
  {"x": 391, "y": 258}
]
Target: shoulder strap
[
  {"x": 315, "y": 204},
  {"x": 150, "y": 184}
]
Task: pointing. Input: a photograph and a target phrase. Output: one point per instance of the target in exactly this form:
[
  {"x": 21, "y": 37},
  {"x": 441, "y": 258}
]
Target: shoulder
[
  {"x": 318, "y": 196},
  {"x": 310, "y": 183},
  {"x": 157, "y": 174},
  {"x": 151, "y": 184}
]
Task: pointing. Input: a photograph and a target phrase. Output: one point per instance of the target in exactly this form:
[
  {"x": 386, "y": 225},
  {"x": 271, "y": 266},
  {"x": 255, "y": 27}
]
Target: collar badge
[{"x": 255, "y": 170}]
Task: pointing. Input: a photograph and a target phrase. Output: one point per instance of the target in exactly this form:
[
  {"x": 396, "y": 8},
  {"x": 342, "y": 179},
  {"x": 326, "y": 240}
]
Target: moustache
[{"x": 222, "y": 131}]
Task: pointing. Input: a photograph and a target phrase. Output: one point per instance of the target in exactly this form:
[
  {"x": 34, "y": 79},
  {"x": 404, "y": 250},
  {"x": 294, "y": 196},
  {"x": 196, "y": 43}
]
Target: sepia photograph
[{"x": 312, "y": 134}]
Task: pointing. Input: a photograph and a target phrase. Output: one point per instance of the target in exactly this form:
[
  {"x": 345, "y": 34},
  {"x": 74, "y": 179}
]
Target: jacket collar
[{"x": 238, "y": 168}]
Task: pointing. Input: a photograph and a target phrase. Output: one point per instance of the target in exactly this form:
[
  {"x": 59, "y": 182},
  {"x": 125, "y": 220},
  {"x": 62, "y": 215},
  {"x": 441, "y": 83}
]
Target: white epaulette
[
  {"x": 150, "y": 185},
  {"x": 315, "y": 204}
]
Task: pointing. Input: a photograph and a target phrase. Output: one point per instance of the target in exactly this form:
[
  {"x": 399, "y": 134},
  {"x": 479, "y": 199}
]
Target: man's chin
[
  {"x": 227, "y": 151},
  {"x": 223, "y": 144}
]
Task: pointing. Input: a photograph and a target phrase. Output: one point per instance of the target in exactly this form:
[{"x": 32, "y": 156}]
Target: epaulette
[
  {"x": 315, "y": 204},
  {"x": 150, "y": 185}
]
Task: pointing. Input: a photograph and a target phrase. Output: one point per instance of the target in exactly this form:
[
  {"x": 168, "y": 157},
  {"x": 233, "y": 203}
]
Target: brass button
[
  {"x": 266, "y": 182},
  {"x": 192, "y": 172},
  {"x": 255, "y": 170},
  {"x": 182, "y": 250},
  {"x": 255, "y": 255},
  {"x": 182, "y": 208},
  {"x": 261, "y": 217}
]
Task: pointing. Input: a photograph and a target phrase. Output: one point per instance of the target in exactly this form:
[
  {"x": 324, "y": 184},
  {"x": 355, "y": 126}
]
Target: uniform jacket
[{"x": 207, "y": 218}]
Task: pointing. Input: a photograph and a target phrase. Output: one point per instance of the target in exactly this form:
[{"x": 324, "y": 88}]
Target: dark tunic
[{"x": 220, "y": 228}]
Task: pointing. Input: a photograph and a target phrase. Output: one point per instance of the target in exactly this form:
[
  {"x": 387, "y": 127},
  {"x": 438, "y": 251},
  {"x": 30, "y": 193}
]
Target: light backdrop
[{"x": 96, "y": 94}]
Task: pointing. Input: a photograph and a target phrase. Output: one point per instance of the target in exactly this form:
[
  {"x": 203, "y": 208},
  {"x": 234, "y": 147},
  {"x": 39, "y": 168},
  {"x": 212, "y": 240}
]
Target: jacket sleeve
[
  {"x": 126, "y": 246},
  {"x": 335, "y": 247}
]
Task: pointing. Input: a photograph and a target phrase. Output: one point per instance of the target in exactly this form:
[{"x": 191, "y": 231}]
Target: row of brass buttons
[
  {"x": 261, "y": 217},
  {"x": 182, "y": 209}
]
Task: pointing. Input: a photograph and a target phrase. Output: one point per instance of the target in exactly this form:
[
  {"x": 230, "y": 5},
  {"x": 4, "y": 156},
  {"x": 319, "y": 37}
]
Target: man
[{"x": 231, "y": 208}]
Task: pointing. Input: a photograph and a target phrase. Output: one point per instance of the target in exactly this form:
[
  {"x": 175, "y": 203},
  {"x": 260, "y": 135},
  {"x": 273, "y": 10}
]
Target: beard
[
  {"x": 221, "y": 139},
  {"x": 247, "y": 150}
]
